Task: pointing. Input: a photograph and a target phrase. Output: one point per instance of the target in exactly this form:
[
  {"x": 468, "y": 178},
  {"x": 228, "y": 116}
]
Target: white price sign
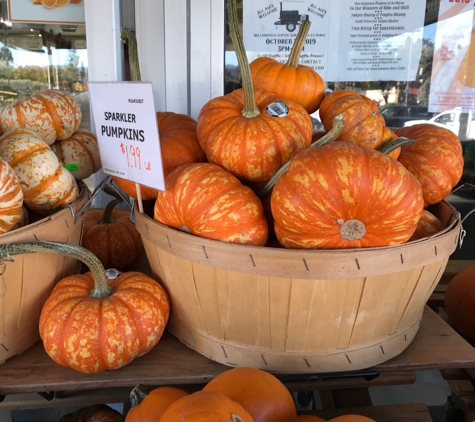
[{"x": 127, "y": 132}]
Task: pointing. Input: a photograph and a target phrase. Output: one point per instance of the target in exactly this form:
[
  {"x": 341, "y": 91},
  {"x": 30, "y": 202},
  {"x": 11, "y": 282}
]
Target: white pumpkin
[
  {"x": 79, "y": 154},
  {"x": 11, "y": 198},
  {"x": 45, "y": 182}
]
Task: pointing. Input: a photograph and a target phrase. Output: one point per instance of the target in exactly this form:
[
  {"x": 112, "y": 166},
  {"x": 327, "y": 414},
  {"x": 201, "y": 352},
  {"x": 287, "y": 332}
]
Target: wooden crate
[
  {"x": 27, "y": 280},
  {"x": 297, "y": 311}
]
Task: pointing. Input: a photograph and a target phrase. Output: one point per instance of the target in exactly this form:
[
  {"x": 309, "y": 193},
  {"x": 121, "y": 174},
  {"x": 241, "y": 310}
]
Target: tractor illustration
[{"x": 290, "y": 18}]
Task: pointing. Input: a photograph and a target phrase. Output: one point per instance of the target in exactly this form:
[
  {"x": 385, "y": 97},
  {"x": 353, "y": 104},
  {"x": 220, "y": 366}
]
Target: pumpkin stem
[
  {"x": 236, "y": 418},
  {"x": 107, "y": 215},
  {"x": 101, "y": 289},
  {"x": 250, "y": 108},
  {"x": 299, "y": 42},
  {"x": 390, "y": 146},
  {"x": 137, "y": 394},
  {"x": 128, "y": 37},
  {"x": 338, "y": 123}
]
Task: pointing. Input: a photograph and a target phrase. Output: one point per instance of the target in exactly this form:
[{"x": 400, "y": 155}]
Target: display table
[{"x": 33, "y": 380}]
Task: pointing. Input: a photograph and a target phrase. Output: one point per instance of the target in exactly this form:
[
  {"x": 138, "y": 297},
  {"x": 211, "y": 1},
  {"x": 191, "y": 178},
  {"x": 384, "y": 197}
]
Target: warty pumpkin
[
  {"x": 94, "y": 413},
  {"x": 91, "y": 322},
  {"x": 79, "y": 154},
  {"x": 11, "y": 198},
  {"x": 342, "y": 195},
  {"x": 459, "y": 302},
  {"x": 242, "y": 133},
  {"x": 364, "y": 126},
  {"x": 52, "y": 114},
  {"x": 149, "y": 406},
  {"x": 111, "y": 236},
  {"x": 206, "y": 406},
  {"x": 178, "y": 145},
  {"x": 205, "y": 200},
  {"x": 46, "y": 184},
  {"x": 262, "y": 394},
  {"x": 436, "y": 159},
  {"x": 292, "y": 80}
]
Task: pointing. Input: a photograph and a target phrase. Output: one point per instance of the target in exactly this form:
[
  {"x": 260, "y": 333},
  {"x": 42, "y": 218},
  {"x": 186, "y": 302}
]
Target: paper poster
[
  {"x": 47, "y": 11},
  {"x": 453, "y": 67},
  {"x": 127, "y": 132},
  {"x": 347, "y": 41}
]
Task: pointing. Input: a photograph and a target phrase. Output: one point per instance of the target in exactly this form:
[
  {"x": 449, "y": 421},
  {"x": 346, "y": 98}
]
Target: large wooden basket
[
  {"x": 297, "y": 311},
  {"x": 27, "y": 280}
]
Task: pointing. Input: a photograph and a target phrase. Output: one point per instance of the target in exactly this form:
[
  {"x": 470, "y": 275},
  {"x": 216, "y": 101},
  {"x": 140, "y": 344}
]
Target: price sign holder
[{"x": 127, "y": 132}]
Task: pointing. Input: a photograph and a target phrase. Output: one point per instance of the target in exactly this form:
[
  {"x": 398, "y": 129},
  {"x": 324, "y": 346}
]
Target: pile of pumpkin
[
  {"x": 237, "y": 395},
  {"x": 253, "y": 168},
  {"x": 43, "y": 156}
]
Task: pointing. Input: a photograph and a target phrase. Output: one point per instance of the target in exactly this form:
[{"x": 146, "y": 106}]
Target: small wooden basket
[
  {"x": 27, "y": 280},
  {"x": 297, "y": 311}
]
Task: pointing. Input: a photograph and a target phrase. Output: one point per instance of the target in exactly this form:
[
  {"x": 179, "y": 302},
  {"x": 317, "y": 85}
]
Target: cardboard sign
[
  {"x": 127, "y": 133},
  {"x": 61, "y": 11}
]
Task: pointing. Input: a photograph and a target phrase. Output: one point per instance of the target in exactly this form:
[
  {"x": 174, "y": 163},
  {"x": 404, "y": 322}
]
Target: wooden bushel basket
[
  {"x": 297, "y": 311},
  {"x": 27, "y": 280}
]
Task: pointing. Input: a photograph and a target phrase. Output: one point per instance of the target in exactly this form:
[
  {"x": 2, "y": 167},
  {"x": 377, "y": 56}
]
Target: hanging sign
[
  {"x": 348, "y": 40},
  {"x": 47, "y": 11},
  {"x": 127, "y": 133},
  {"x": 453, "y": 72}
]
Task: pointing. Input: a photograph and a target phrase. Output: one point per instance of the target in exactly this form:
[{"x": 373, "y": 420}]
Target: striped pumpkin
[
  {"x": 11, "y": 198},
  {"x": 79, "y": 154},
  {"x": 51, "y": 113},
  {"x": 46, "y": 184}
]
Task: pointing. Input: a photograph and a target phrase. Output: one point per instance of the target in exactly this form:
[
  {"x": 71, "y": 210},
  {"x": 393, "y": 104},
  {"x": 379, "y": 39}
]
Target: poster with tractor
[{"x": 47, "y": 11}]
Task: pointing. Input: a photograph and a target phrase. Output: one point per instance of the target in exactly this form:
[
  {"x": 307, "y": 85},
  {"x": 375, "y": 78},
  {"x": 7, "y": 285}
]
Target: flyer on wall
[
  {"x": 347, "y": 41},
  {"x": 453, "y": 72},
  {"x": 47, "y": 11}
]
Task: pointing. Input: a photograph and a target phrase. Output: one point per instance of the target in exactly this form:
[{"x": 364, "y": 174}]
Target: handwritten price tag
[{"x": 127, "y": 133}]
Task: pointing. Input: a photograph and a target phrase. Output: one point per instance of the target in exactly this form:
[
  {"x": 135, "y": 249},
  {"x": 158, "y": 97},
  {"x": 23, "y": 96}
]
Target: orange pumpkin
[
  {"x": 79, "y": 154},
  {"x": 11, "y": 198},
  {"x": 52, "y": 114},
  {"x": 178, "y": 144},
  {"x": 363, "y": 125},
  {"x": 241, "y": 132},
  {"x": 351, "y": 418},
  {"x": 436, "y": 159},
  {"x": 428, "y": 225},
  {"x": 46, "y": 184},
  {"x": 259, "y": 392},
  {"x": 150, "y": 406},
  {"x": 205, "y": 200},
  {"x": 111, "y": 236},
  {"x": 341, "y": 195},
  {"x": 459, "y": 302},
  {"x": 94, "y": 413},
  {"x": 292, "y": 80},
  {"x": 206, "y": 406},
  {"x": 91, "y": 323}
]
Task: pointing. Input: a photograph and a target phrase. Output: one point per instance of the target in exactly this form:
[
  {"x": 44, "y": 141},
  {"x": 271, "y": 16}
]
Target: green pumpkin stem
[
  {"x": 250, "y": 108},
  {"x": 128, "y": 37},
  {"x": 102, "y": 289},
  {"x": 390, "y": 146},
  {"x": 338, "y": 123},
  {"x": 137, "y": 394},
  {"x": 107, "y": 215},
  {"x": 299, "y": 42}
]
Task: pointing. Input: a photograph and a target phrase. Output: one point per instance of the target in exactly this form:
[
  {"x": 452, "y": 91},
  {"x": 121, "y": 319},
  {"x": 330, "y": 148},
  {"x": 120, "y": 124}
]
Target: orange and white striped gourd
[
  {"x": 11, "y": 198},
  {"x": 46, "y": 184},
  {"x": 53, "y": 114},
  {"x": 79, "y": 154}
]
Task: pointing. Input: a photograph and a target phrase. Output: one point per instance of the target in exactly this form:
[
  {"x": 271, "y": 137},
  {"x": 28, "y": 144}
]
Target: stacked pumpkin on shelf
[
  {"x": 41, "y": 143},
  {"x": 359, "y": 184}
]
